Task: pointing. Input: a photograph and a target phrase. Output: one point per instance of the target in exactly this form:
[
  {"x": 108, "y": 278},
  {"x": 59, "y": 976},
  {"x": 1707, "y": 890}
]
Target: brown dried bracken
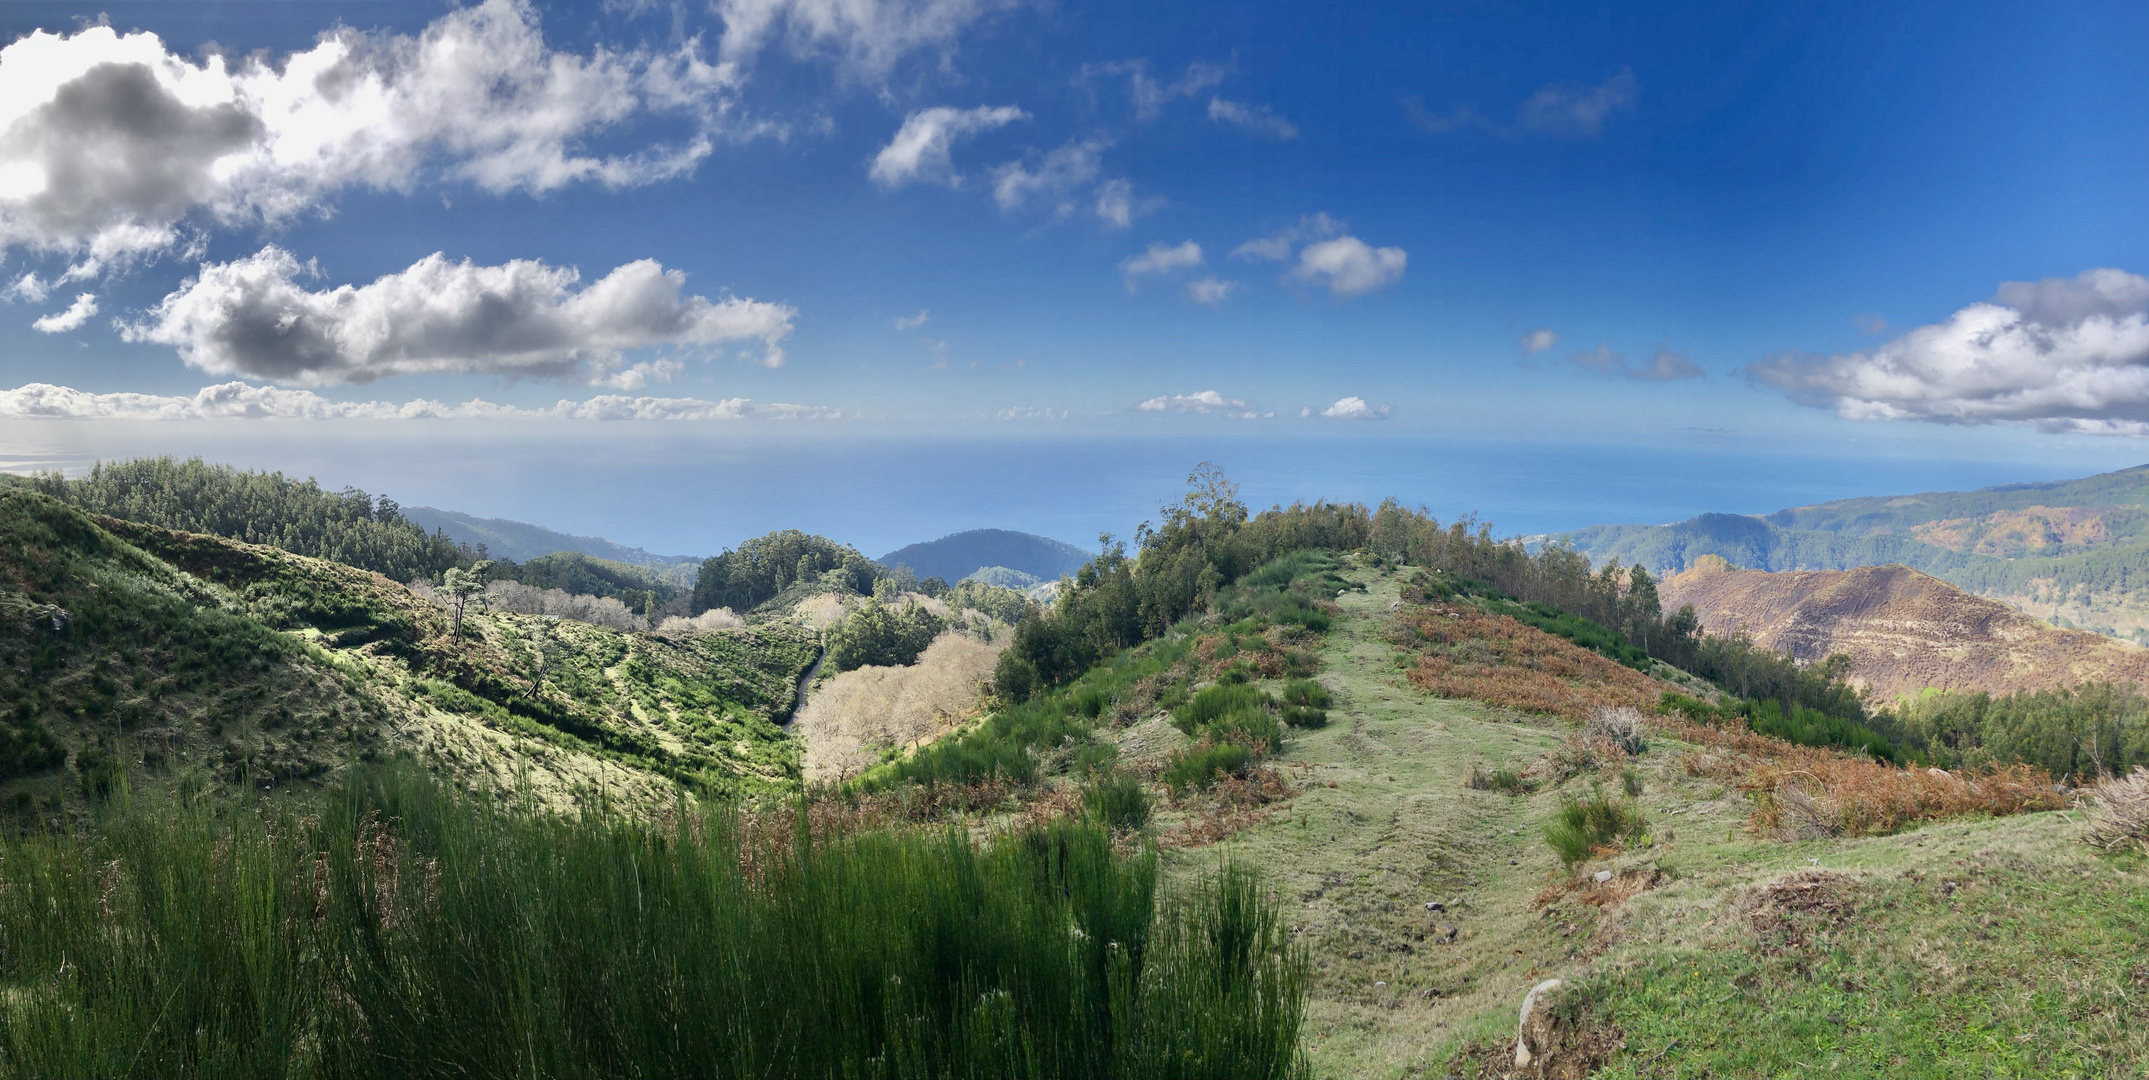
[{"x": 2118, "y": 813}]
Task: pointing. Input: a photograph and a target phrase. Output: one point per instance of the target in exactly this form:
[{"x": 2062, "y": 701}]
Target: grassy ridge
[{"x": 398, "y": 928}]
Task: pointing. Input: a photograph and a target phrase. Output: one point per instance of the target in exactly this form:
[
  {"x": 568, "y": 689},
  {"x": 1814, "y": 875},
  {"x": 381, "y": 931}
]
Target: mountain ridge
[
  {"x": 958, "y": 555},
  {"x": 522, "y": 541}
]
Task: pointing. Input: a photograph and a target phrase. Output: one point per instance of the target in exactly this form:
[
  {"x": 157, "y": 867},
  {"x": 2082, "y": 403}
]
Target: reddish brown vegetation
[
  {"x": 1802, "y": 792},
  {"x": 1467, "y": 653}
]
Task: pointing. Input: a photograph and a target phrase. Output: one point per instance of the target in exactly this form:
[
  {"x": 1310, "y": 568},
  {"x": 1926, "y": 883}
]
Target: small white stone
[{"x": 1603, "y": 876}]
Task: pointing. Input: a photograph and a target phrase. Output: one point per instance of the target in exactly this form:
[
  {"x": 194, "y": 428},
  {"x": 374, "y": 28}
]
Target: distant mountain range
[
  {"x": 522, "y": 541},
  {"x": 1903, "y": 630},
  {"x": 964, "y": 554},
  {"x": 2074, "y": 552}
]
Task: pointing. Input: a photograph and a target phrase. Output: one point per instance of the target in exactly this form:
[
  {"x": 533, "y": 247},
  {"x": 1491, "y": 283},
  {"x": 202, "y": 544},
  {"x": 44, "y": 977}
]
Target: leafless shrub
[
  {"x": 2119, "y": 813},
  {"x": 1620, "y": 725},
  {"x": 524, "y": 599},
  {"x": 708, "y": 622}
]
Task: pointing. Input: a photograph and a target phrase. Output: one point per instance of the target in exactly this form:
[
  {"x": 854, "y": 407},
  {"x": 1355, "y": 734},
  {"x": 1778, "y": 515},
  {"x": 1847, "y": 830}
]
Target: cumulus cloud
[
  {"x": 252, "y": 317},
  {"x": 1348, "y": 266},
  {"x": 243, "y": 401},
  {"x": 863, "y": 39},
  {"x": 919, "y": 151},
  {"x": 1204, "y": 402},
  {"x": 912, "y": 322},
  {"x": 1355, "y": 408},
  {"x": 2061, "y": 354},
  {"x": 1573, "y": 110},
  {"x": 1160, "y": 259},
  {"x": 1210, "y": 290},
  {"x": 27, "y": 287},
  {"x": 1664, "y": 366},
  {"x": 1277, "y": 246},
  {"x": 1256, "y": 119},
  {"x": 77, "y": 313},
  {"x": 1558, "y": 110},
  {"x": 1537, "y": 341},
  {"x": 1150, "y": 94},
  {"x": 1052, "y": 175},
  {"x": 109, "y": 141}
]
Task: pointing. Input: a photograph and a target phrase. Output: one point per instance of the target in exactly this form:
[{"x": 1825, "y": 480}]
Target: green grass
[
  {"x": 398, "y": 928},
  {"x": 1997, "y": 965},
  {"x": 1583, "y": 825}
]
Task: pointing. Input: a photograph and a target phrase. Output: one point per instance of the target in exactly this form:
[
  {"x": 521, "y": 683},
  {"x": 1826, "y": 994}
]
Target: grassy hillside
[
  {"x": 956, "y": 556},
  {"x": 229, "y": 665}
]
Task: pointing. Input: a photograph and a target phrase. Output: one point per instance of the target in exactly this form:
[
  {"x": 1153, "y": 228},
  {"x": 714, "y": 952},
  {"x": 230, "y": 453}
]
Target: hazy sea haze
[{"x": 688, "y": 492}]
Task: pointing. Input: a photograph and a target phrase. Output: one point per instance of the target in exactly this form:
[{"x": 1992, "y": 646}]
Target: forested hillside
[
  {"x": 959, "y": 555},
  {"x": 522, "y": 541},
  {"x": 348, "y": 526}
]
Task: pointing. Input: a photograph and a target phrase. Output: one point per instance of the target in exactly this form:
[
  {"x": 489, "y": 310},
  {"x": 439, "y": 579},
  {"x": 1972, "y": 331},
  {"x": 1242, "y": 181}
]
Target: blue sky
[{"x": 1732, "y": 232}]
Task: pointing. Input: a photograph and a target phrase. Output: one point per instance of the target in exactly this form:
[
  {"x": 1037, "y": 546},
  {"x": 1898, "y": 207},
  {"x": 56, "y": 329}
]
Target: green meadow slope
[
  {"x": 1971, "y": 945},
  {"x": 134, "y": 651}
]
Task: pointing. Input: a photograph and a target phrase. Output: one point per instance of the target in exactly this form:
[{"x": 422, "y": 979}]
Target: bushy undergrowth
[
  {"x": 1799, "y": 725},
  {"x": 1119, "y": 800},
  {"x": 401, "y": 929},
  {"x": 1583, "y": 827}
]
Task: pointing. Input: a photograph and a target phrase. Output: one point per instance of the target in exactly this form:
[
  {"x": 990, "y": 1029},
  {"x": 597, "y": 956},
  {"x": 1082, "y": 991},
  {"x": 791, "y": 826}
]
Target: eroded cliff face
[{"x": 1902, "y": 629}]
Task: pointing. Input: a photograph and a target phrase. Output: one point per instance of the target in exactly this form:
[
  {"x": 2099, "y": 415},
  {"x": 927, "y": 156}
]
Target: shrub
[
  {"x": 1308, "y": 693},
  {"x": 1582, "y": 827},
  {"x": 2119, "y": 813},
  {"x": 1199, "y": 765},
  {"x": 1119, "y": 800},
  {"x": 1504, "y": 781},
  {"x": 1301, "y": 716},
  {"x": 1631, "y": 782},
  {"x": 1621, "y": 726}
]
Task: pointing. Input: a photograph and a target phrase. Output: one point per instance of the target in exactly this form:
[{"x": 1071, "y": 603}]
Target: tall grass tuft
[
  {"x": 402, "y": 929},
  {"x": 1581, "y": 828}
]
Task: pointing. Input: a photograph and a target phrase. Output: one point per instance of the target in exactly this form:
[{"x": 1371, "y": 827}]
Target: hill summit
[{"x": 960, "y": 555}]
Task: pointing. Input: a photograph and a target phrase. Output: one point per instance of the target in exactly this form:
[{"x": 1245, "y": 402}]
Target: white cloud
[
  {"x": 1348, "y": 266},
  {"x": 251, "y": 317},
  {"x": 242, "y": 401},
  {"x": 1115, "y": 203},
  {"x": 1277, "y": 246},
  {"x": 1054, "y": 174},
  {"x": 1256, "y": 119},
  {"x": 1664, "y": 366},
  {"x": 1150, "y": 95},
  {"x": 1355, "y": 408},
  {"x": 1210, "y": 290},
  {"x": 110, "y": 142},
  {"x": 864, "y": 39},
  {"x": 919, "y": 151},
  {"x": 1560, "y": 110},
  {"x": 1570, "y": 110},
  {"x": 1537, "y": 341},
  {"x": 1203, "y": 402},
  {"x": 1160, "y": 260},
  {"x": 27, "y": 287},
  {"x": 912, "y": 322},
  {"x": 2062, "y": 354},
  {"x": 77, "y": 313}
]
